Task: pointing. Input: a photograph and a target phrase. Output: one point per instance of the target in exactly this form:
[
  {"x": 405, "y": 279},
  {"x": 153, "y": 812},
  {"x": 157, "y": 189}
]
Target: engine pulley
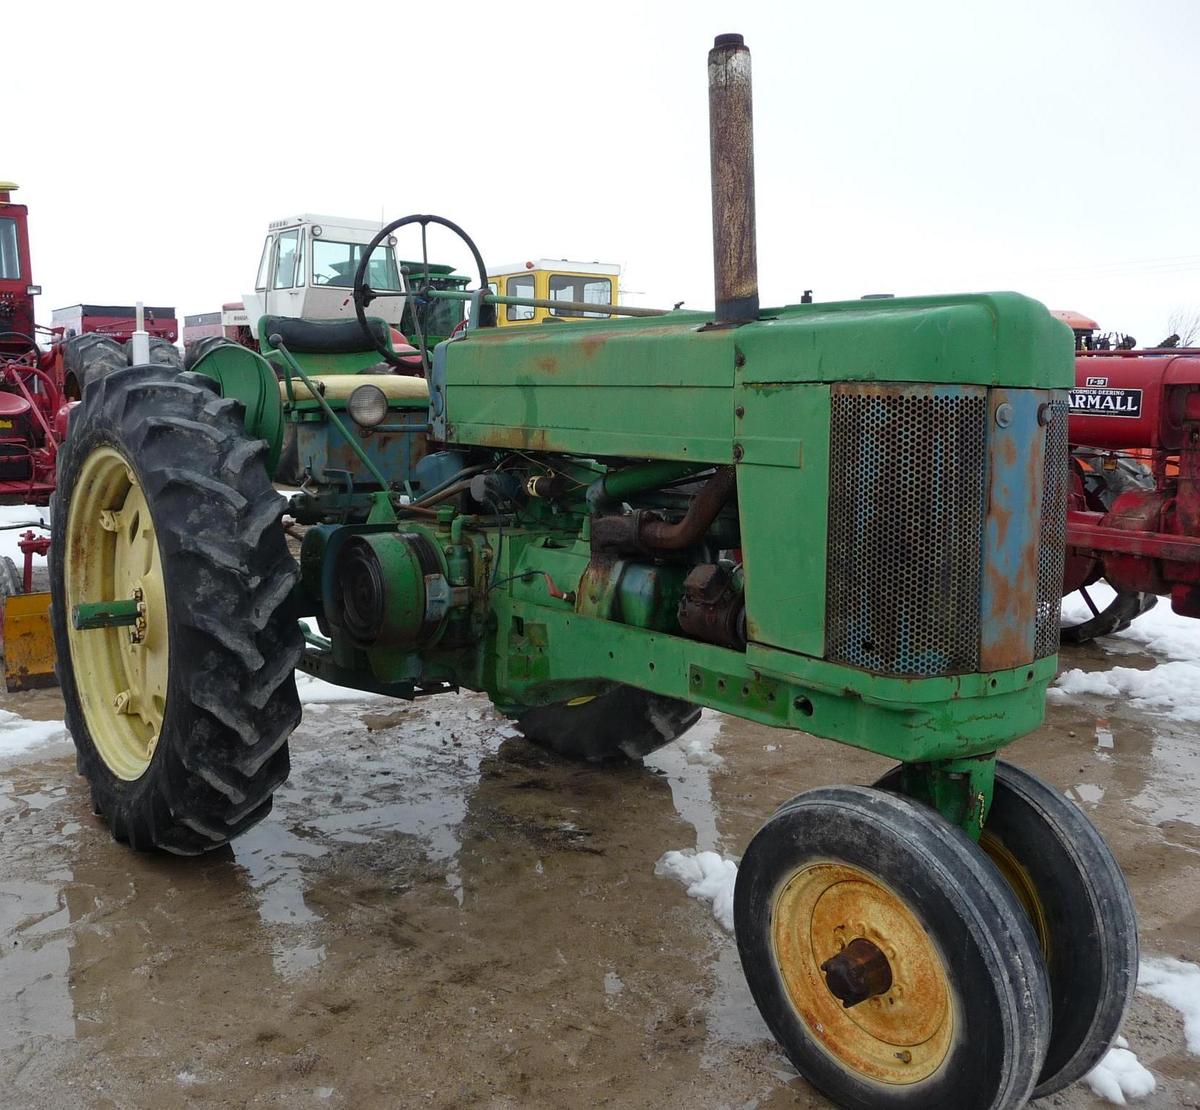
[{"x": 390, "y": 590}]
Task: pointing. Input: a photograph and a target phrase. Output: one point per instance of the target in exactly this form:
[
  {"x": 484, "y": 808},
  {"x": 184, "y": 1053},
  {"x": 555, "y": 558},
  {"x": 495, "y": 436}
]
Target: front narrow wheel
[
  {"x": 1072, "y": 889},
  {"x": 889, "y": 959},
  {"x": 171, "y": 583}
]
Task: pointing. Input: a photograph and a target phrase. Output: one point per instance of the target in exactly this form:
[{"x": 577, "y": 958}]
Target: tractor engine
[{"x": 1135, "y": 506}]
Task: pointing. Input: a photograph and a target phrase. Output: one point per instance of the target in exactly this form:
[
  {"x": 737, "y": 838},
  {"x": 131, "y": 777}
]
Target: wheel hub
[
  {"x": 858, "y": 972},
  {"x": 862, "y": 973}
]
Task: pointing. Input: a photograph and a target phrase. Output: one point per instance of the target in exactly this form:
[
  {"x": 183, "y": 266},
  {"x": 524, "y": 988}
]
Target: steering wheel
[
  {"x": 30, "y": 345},
  {"x": 363, "y": 294}
]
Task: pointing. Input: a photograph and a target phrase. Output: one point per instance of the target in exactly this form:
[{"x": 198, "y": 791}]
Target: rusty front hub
[
  {"x": 862, "y": 973},
  {"x": 858, "y": 972}
]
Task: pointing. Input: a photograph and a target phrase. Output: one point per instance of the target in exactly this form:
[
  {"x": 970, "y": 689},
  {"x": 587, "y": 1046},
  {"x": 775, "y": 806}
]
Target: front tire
[
  {"x": 958, "y": 1013},
  {"x": 1072, "y": 889},
  {"x": 180, "y": 722}
]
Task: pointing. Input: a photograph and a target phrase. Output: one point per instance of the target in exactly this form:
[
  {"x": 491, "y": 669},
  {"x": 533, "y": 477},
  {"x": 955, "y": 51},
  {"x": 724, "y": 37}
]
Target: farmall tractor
[
  {"x": 36, "y": 384},
  {"x": 1134, "y": 510},
  {"x": 843, "y": 519},
  {"x": 36, "y": 388}
]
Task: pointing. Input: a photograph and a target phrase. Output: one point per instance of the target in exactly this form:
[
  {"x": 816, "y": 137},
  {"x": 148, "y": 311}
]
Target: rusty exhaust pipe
[{"x": 731, "y": 146}]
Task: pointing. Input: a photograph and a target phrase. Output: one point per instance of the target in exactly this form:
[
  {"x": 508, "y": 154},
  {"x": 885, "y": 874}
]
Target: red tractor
[
  {"x": 1134, "y": 509},
  {"x": 37, "y": 385}
]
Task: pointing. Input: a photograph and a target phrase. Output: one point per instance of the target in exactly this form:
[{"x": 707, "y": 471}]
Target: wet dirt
[{"x": 438, "y": 914}]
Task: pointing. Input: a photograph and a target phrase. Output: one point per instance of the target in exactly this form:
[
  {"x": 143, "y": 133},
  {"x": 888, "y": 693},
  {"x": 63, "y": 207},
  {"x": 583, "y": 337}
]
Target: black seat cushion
[{"x": 322, "y": 337}]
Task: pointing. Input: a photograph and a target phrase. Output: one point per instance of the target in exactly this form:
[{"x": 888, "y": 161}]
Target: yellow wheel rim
[
  {"x": 901, "y": 1036},
  {"x": 1017, "y": 876},
  {"x": 112, "y": 554}
]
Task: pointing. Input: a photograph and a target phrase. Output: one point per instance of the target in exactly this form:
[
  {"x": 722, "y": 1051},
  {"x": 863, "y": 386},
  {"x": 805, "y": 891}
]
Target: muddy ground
[{"x": 438, "y": 914}]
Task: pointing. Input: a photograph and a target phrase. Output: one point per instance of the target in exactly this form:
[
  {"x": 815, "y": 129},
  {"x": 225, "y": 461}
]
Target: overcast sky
[{"x": 918, "y": 146}]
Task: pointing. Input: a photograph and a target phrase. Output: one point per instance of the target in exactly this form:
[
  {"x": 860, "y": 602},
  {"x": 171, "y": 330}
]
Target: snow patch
[
  {"x": 708, "y": 876},
  {"x": 700, "y": 750},
  {"x": 1177, "y": 983},
  {"x": 1120, "y": 1075},
  {"x": 1173, "y": 687},
  {"x": 19, "y": 735}
]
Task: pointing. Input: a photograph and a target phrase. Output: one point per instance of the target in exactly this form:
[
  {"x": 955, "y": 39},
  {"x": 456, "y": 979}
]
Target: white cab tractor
[
  {"x": 306, "y": 272},
  {"x": 307, "y": 269}
]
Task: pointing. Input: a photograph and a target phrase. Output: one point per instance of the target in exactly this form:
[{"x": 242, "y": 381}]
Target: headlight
[{"x": 368, "y": 406}]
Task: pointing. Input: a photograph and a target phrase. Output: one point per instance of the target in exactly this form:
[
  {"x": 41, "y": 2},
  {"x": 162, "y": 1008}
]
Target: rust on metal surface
[
  {"x": 712, "y": 607},
  {"x": 731, "y": 146},
  {"x": 901, "y": 1035},
  {"x": 1014, "y": 501},
  {"x": 645, "y": 532},
  {"x": 858, "y": 972}
]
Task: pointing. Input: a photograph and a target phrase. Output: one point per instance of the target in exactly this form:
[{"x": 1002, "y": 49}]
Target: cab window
[
  {"x": 285, "y": 259},
  {"x": 10, "y": 261},
  {"x": 579, "y": 287},
  {"x": 337, "y": 263},
  {"x": 520, "y": 285},
  {"x": 264, "y": 264}
]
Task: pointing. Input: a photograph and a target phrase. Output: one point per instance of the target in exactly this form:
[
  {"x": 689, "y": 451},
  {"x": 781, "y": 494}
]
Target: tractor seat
[{"x": 322, "y": 337}]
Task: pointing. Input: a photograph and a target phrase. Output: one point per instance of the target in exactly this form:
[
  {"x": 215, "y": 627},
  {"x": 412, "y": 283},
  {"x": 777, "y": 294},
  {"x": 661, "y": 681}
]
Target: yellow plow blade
[{"x": 28, "y": 644}]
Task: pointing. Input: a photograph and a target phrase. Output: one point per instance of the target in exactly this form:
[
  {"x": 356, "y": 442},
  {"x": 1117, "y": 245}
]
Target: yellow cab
[{"x": 553, "y": 279}]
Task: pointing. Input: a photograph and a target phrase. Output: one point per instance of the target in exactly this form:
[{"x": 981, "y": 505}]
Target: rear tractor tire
[
  {"x": 196, "y": 351},
  {"x": 88, "y": 357},
  {"x": 621, "y": 723},
  {"x": 93, "y": 355},
  {"x": 1115, "y": 617},
  {"x": 180, "y": 719},
  {"x": 162, "y": 353}
]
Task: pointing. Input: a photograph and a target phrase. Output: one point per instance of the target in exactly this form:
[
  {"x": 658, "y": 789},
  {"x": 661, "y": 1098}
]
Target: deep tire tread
[{"x": 232, "y": 701}]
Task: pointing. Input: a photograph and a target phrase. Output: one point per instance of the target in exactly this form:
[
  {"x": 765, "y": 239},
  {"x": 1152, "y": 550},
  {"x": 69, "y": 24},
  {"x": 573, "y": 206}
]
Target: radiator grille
[
  {"x": 1052, "y": 541},
  {"x": 908, "y": 467}
]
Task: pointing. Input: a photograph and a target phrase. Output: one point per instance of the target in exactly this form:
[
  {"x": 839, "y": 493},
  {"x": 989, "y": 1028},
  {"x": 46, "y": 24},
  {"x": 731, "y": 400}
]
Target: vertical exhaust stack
[{"x": 731, "y": 143}]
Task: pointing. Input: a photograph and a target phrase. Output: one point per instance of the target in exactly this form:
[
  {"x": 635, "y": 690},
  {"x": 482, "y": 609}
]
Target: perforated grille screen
[
  {"x": 1051, "y": 553},
  {"x": 908, "y": 466}
]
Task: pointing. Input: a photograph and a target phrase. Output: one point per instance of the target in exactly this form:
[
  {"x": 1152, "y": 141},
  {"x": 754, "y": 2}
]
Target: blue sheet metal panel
[
  {"x": 1016, "y": 473},
  {"x": 323, "y": 451}
]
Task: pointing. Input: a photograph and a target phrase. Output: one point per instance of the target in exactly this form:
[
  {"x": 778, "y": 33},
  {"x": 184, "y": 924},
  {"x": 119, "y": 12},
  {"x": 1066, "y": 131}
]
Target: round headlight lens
[{"x": 368, "y": 406}]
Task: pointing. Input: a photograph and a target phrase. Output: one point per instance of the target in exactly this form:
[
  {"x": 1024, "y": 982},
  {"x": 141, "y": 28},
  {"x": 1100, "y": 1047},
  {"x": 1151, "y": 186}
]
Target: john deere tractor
[{"x": 843, "y": 519}]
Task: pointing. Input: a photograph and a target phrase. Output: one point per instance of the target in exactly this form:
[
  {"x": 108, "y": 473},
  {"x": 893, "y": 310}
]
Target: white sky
[{"x": 910, "y": 147}]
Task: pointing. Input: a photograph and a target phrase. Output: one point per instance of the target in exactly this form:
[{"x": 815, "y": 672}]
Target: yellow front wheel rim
[
  {"x": 900, "y": 1036},
  {"x": 112, "y": 554}
]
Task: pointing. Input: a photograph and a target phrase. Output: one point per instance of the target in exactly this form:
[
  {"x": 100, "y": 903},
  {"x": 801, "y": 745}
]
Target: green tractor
[{"x": 845, "y": 519}]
